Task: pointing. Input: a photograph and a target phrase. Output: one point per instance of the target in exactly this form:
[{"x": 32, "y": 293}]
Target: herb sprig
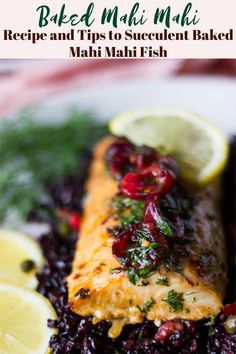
[
  {"x": 33, "y": 153},
  {"x": 128, "y": 210},
  {"x": 175, "y": 301},
  {"x": 135, "y": 274},
  {"x": 162, "y": 281},
  {"x": 164, "y": 227},
  {"x": 147, "y": 306},
  {"x": 211, "y": 324}
]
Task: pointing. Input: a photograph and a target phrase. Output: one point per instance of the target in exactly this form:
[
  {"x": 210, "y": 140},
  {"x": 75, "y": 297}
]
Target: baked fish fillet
[{"x": 97, "y": 289}]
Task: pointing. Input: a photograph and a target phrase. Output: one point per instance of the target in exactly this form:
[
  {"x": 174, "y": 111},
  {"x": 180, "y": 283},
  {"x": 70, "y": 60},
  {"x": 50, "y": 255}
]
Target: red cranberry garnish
[
  {"x": 167, "y": 329},
  {"x": 142, "y": 245},
  {"x": 145, "y": 157},
  {"x": 151, "y": 214},
  {"x": 155, "y": 235},
  {"x": 121, "y": 157},
  {"x": 122, "y": 242},
  {"x": 68, "y": 218},
  {"x": 74, "y": 221},
  {"x": 151, "y": 180},
  {"x": 191, "y": 326},
  {"x": 230, "y": 309}
]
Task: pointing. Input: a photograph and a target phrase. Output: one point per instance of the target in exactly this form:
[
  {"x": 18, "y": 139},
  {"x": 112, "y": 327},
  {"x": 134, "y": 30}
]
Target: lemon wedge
[
  {"x": 23, "y": 321},
  {"x": 20, "y": 258},
  {"x": 200, "y": 147}
]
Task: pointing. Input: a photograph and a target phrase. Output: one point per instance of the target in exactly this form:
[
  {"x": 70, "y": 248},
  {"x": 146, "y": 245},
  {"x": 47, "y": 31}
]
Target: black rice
[{"x": 78, "y": 335}]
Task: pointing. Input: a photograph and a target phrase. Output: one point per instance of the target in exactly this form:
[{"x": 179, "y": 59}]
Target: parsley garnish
[
  {"x": 162, "y": 281},
  {"x": 210, "y": 325},
  {"x": 147, "y": 306},
  {"x": 175, "y": 301},
  {"x": 128, "y": 210},
  {"x": 164, "y": 227},
  {"x": 191, "y": 293},
  {"x": 139, "y": 253},
  {"x": 135, "y": 274}
]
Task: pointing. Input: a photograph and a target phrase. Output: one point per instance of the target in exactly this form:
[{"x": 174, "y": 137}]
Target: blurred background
[{"x": 26, "y": 82}]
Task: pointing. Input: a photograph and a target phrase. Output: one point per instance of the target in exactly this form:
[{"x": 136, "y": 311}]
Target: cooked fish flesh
[{"x": 99, "y": 287}]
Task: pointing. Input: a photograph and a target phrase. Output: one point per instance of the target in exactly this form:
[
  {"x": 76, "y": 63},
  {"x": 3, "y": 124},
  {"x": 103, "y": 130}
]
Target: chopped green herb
[
  {"x": 161, "y": 149},
  {"x": 135, "y": 274},
  {"x": 187, "y": 310},
  {"x": 142, "y": 234},
  {"x": 210, "y": 325},
  {"x": 140, "y": 335},
  {"x": 175, "y": 301},
  {"x": 191, "y": 293},
  {"x": 164, "y": 227},
  {"x": 162, "y": 281},
  {"x": 139, "y": 253},
  {"x": 128, "y": 210},
  {"x": 102, "y": 264},
  {"x": 147, "y": 306}
]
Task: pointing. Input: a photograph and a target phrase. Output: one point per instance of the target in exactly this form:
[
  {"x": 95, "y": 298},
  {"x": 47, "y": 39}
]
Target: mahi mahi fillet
[{"x": 95, "y": 289}]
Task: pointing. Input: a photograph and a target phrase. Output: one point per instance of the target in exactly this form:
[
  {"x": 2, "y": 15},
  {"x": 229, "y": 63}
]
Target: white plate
[{"x": 212, "y": 97}]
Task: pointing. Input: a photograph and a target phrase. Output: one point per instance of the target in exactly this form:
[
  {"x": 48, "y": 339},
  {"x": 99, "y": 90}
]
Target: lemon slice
[
  {"x": 23, "y": 321},
  {"x": 20, "y": 257},
  {"x": 200, "y": 148}
]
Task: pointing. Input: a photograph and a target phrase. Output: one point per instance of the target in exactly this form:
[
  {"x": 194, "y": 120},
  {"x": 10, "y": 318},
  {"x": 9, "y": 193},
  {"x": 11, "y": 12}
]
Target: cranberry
[
  {"x": 120, "y": 157},
  {"x": 230, "y": 309},
  {"x": 191, "y": 326},
  {"x": 151, "y": 180},
  {"x": 154, "y": 235},
  {"x": 166, "y": 180},
  {"x": 74, "y": 221},
  {"x": 123, "y": 242},
  {"x": 167, "y": 329},
  {"x": 151, "y": 214},
  {"x": 131, "y": 249},
  {"x": 145, "y": 157}
]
